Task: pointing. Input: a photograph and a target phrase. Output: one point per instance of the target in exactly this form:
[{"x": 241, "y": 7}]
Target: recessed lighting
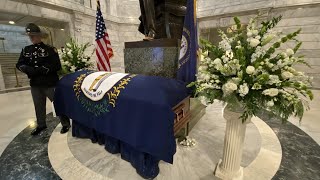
[
  {"x": 11, "y": 22},
  {"x": 299, "y": 8},
  {"x": 62, "y": 29}
]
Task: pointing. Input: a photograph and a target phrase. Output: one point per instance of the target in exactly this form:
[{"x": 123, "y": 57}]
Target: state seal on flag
[{"x": 184, "y": 47}]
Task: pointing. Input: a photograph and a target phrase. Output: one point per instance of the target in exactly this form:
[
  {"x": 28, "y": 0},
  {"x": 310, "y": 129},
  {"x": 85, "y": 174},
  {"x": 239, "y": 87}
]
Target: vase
[{"x": 229, "y": 166}]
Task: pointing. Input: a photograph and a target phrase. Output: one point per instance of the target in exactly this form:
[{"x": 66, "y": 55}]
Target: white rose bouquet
[
  {"x": 73, "y": 57},
  {"x": 248, "y": 69}
]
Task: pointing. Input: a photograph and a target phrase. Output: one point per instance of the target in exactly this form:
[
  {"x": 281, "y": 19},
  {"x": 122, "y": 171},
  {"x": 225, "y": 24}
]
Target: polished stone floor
[
  {"x": 299, "y": 142},
  {"x": 189, "y": 163},
  {"x": 26, "y": 157},
  {"x": 16, "y": 113}
]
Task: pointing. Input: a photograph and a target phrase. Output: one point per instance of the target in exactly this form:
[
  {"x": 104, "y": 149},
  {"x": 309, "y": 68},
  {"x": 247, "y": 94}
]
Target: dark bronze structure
[{"x": 162, "y": 18}]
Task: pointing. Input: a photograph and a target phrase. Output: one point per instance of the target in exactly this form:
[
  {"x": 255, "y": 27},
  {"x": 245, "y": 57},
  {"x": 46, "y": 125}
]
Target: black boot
[
  {"x": 38, "y": 130},
  {"x": 64, "y": 129}
]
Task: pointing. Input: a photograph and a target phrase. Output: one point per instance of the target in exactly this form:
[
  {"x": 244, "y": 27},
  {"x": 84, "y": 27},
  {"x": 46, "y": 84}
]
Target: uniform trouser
[{"x": 39, "y": 96}]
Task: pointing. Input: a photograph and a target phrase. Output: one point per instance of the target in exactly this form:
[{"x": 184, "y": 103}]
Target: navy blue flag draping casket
[{"x": 128, "y": 114}]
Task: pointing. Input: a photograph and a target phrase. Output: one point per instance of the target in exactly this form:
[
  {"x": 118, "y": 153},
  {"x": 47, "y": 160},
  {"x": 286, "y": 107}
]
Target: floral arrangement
[
  {"x": 73, "y": 57},
  {"x": 249, "y": 70}
]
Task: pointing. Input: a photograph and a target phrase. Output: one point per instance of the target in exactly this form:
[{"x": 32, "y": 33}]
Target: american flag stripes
[{"x": 103, "y": 46}]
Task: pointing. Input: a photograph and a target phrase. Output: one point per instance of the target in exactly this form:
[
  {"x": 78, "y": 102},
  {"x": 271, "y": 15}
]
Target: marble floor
[
  {"x": 300, "y": 153},
  {"x": 189, "y": 163},
  {"x": 16, "y": 113}
]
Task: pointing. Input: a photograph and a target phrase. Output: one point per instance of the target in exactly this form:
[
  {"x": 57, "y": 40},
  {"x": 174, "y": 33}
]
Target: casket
[
  {"x": 135, "y": 115},
  {"x": 182, "y": 115}
]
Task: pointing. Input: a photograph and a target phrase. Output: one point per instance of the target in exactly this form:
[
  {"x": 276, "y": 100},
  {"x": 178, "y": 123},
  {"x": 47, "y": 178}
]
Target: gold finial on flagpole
[{"x": 98, "y": 3}]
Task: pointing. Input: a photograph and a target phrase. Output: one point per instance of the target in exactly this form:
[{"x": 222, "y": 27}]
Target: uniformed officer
[{"x": 41, "y": 63}]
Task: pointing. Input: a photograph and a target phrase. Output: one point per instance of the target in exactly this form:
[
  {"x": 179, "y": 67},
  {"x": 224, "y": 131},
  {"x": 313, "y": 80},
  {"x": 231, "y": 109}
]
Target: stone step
[
  {"x": 15, "y": 89},
  {"x": 11, "y": 82},
  {"x": 9, "y": 58}
]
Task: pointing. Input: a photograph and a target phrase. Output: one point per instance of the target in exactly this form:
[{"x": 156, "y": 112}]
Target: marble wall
[
  {"x": 121, "y": 18},
  {"x": 296, "y": 14}
]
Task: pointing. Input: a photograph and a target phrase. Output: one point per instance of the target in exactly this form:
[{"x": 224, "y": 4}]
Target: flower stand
[{"x": 229, "y": 166}]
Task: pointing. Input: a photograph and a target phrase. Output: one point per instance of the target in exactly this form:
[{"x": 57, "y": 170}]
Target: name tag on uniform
[{"x": 97, "y": 84}]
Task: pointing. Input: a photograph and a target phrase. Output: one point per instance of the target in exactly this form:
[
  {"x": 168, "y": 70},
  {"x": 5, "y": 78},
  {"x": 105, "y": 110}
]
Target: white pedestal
[{"x": 229, "y": 167}]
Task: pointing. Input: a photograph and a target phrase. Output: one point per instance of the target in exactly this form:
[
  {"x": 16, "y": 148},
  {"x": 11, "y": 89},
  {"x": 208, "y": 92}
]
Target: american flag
[{"x": 103, "y": 47}]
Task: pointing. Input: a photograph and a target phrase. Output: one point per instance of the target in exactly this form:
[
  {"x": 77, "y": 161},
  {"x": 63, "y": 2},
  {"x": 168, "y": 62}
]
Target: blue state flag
[{"x": 187, "y": 65}]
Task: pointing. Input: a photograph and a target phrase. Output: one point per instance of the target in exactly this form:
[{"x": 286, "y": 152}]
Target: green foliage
[
  {"x": 73, "y": 57},
  {"x": 269, "y": 24},
  {"x": 238, "y": 23},
  {"x": 248, "y": 70},
  {"x": 297, "y": 47}
]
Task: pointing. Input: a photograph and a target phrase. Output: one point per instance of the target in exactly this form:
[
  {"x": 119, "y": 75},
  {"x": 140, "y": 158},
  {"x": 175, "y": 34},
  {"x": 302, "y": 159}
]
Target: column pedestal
[{"x": 229, "y": 166}]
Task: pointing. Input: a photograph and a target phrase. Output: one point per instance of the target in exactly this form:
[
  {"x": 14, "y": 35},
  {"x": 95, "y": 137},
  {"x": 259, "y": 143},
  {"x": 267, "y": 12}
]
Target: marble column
[{"x": 229, "y": 167}]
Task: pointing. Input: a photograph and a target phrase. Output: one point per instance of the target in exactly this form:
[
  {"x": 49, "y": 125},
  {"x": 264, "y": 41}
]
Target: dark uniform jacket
[{"x": 41, "y": 63}]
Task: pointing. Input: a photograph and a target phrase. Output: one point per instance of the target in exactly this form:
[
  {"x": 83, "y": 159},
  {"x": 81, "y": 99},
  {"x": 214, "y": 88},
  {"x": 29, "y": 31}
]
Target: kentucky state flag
[{"x": 189, "y": 45}]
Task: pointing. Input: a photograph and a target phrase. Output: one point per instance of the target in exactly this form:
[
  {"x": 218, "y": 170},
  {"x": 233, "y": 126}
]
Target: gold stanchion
[{"x": 17, "y": 79}]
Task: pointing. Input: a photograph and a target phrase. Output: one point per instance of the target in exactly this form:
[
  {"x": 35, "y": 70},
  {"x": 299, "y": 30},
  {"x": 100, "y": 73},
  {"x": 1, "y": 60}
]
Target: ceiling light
[
  {"x": 11, "y": 22},
  {"x": 62, "y": 29}
]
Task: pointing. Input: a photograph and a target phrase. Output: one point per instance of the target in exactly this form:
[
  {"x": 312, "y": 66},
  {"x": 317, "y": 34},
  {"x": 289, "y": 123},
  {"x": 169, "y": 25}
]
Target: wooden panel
[{"x": 182, "y": 115}]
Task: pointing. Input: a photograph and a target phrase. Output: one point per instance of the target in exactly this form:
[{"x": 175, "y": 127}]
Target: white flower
[
  {"x": 258, "y": 37},
  {"x": 271, "y": 92},
  {"x": 270, "y": 103},
  {"x": 236, "y": 80},
  {"x": 254, "y": 42},
  {"x": 289, "y": 52},
  {"x": 73, "y": 69},
  {"x": 284, "y": 55},
  {"x": 203, "y": 76},
  {"x": 266, "y": 39},
  {"x": 249, "y": 33},
  {"x": 203, "y": 68},
  {"x": 68, "y": 45},
  {"x": 217, "y": 61},
  {"x": 255, "y": 32},
  {"x": 286, "y": 75},
  {"x": 270, "y": 65},
  {"x": 250, "y": 70},
  {"x": 273, "y": 79},
  {"x": 225, "y": 59},
  {"x": 243, "y": 90},
  {"x": 229, "y": 87},
  {"x": 229, "y": 54},
  {"x": 224, "y": 44},
  {"x": 70, "y": 54},
  {"x": 256, "y": 86},
  {"x": 207, "y": 77}
]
